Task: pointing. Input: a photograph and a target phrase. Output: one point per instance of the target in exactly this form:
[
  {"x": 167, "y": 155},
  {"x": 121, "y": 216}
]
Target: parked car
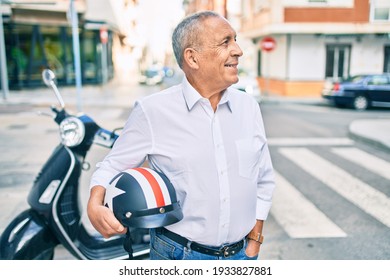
[
  {"x": 152, "y": 76},
  {"x": 359, "y": 92},
  {"x": 249, "y": 85}
]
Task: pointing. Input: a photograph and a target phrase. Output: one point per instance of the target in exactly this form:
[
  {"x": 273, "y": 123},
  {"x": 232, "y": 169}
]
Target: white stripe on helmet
[
  {"x": 146, "y": 188},
  {"x": 163, "y": 186}
]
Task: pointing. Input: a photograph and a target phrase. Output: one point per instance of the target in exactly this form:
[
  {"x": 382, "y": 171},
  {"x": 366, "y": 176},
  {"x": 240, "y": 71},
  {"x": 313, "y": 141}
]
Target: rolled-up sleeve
[{"x": 129, "y": 151}]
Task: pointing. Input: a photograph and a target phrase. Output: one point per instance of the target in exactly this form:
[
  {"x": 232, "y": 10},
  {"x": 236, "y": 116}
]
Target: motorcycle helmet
[{"x": 143, "y": 198}]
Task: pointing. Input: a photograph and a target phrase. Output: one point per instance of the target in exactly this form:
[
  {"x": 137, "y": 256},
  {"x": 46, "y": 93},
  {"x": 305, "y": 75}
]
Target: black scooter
[{"x": 54, "y": 216}]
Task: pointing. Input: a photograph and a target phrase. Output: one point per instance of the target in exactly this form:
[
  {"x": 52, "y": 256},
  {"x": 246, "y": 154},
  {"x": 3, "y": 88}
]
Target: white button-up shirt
[{"x": 218, "y": 162}]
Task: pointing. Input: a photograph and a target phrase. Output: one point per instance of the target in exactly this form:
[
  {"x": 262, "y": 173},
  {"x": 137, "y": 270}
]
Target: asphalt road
[{"x": 332, "y": 198}]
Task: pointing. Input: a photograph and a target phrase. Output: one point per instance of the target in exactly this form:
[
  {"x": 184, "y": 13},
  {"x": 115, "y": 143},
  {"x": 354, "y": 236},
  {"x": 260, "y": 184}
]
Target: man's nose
[{"x": 237, "y": 50}]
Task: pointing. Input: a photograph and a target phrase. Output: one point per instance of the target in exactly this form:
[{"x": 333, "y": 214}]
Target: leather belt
[{"x": 226, "y": 251}]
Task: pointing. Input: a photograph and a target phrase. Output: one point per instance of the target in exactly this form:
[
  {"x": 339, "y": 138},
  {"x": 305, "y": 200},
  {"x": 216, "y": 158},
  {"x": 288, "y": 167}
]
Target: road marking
[
  {"x": 368, "y": 161},
  {"x": 298, "y": 216},
  {"x": 359, "y": 193},
  {"x": 310, "y": 141}
]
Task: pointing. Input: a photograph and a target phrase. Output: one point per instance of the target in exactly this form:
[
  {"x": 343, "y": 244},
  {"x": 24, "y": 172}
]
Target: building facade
[
  {"x": 219, "y": 6},
  {"x": 39, "y": 36},
  {"x": 316, "y": 40}
]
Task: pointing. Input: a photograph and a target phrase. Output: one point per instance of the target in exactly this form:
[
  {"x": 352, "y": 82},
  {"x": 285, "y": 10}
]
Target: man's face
[{"x": 219, "y": 54}]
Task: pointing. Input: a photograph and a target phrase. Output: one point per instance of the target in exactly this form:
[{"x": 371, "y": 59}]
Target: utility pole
[
  {"x": 76, "y": 52},
  {"x": 3, "y": 59}
]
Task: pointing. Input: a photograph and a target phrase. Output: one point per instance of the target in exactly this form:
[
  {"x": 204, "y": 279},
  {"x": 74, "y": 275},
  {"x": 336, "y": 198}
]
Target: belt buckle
[
  {"x": 226, "y": 252},
  {"x": 234, "y": 249}
]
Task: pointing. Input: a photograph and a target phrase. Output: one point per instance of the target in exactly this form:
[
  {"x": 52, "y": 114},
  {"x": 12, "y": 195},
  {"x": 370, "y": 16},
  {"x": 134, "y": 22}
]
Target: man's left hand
[{"x": 253, "y": 248}]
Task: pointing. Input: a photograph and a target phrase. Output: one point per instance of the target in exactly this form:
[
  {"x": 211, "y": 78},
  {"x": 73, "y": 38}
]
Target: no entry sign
[
  {"x": 268, "y": 44},
  {"x": 103, "y": 35}
]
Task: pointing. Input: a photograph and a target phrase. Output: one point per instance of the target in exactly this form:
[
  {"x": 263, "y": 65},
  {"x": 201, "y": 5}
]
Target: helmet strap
[{"x": 127, "y": 244}]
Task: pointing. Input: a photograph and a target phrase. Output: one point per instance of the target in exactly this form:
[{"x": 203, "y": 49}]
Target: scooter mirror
[{"x": 48, "y": 77}]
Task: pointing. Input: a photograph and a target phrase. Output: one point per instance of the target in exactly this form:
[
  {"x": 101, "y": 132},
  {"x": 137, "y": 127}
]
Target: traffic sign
[
  {"x": 103, "y": 35},
  {"x": 268, "y": 44}
]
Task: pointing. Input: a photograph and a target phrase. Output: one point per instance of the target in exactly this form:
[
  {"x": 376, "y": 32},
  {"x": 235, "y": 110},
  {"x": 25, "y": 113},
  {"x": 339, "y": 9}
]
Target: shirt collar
[{"x": 191, "y": 96}]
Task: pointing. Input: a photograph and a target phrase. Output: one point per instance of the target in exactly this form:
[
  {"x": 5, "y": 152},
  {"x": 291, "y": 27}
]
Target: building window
[
  {"x": 381, "y": 13},
  {"x": 380, "y": 10},
  {"x": 337, "y": 61},
  {"x": 32, "y": 48}
]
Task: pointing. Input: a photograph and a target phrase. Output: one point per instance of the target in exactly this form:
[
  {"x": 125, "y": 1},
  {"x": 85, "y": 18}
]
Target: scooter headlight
[{"x": 72, "y": 131}]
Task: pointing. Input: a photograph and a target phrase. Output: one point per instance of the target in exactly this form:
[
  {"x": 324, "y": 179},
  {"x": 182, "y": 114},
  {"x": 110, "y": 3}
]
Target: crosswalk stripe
[
  {"x": 298, "y": 216},
  {"x": 309, "y": 141},
  {"x": 359, "y": 193},
  {"x": 370, "y": 162}
]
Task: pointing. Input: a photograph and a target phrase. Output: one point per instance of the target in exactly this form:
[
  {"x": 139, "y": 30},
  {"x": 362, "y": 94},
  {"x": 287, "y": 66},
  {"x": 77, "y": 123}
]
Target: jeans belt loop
[{"x": 189, "y": 245}]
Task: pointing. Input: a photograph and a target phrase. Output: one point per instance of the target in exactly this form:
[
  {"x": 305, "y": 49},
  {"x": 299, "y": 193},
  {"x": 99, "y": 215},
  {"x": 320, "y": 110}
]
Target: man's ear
[{"x": 191, "y": 58}]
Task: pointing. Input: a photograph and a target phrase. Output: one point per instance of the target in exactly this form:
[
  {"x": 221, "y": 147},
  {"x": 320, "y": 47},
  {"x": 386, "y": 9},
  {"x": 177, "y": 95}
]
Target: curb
[{"x": 375, "y": 132}]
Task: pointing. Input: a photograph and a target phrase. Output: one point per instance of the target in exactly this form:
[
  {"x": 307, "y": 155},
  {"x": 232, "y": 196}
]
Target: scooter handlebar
[{"x": 105, "y": 138}]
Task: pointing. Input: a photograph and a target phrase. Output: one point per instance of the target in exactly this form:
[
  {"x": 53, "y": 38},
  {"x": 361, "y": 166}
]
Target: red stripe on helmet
[{"x": 158, "y": 195}]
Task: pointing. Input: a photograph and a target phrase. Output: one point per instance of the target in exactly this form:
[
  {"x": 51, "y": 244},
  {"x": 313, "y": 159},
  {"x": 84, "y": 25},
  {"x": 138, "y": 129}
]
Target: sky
[{"x": 156, "y": 22}]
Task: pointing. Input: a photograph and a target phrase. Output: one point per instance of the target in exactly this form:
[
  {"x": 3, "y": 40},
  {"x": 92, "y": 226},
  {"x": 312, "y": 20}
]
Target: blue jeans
[{"x": 163, "y": 248}]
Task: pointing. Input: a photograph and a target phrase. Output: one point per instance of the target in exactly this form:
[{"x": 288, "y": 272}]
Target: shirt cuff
[
  {"x": 262, "y": 210},
  {"x": 101, "y": 178}
]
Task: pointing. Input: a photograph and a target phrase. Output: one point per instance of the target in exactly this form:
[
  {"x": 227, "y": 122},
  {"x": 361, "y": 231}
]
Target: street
[{"x": 332, "y": 198}]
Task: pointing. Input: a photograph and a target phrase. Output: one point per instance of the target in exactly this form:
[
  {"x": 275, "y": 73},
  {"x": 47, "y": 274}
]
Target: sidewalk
[
  {"x": 112, "y": 94},
  {"x": 117, "y": 94},
  {"x": 373, "y": 131}
]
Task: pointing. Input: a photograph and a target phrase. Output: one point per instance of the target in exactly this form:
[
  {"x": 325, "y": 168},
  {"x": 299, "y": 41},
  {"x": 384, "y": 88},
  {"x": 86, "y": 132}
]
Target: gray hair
[{"x": 186, "y": 33}]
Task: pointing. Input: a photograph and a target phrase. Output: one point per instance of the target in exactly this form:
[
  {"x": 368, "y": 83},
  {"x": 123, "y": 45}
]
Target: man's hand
[
  {"x": 102, "y": 217},
  {"x": 253, "y": 248}
]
